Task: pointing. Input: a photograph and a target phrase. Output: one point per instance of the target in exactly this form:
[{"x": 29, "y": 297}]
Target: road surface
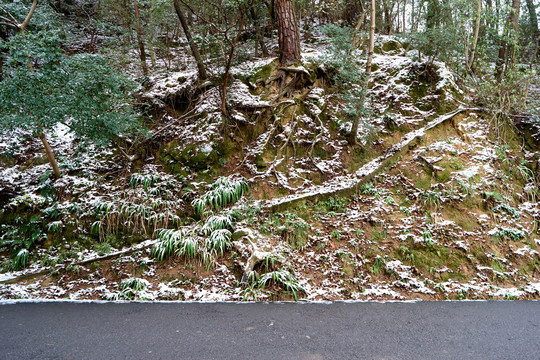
[{"x": 424, "y": 330}]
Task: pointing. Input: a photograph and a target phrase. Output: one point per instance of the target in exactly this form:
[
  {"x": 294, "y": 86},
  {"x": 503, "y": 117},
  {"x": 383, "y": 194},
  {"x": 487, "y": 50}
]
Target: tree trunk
[
  {"x": 371, "y": 39},
  {"x": 289, "y": 37},
  {"x": 533, "y": 18},
  {"x": 259, "y": 34},
  {"x": 23, "y": 26},
  {"x": 356, "y": 38},
  {"x": 354, "y": 130},
  {"x": 387, "y": 18},
  {"x": 510, "y": 30},
  {"x": 224, "y": 86},
  {"x": 514, "y": 18},
  {"x": 433, "y": 16},
  {"x": 470, "y": 63},
  {"x": 138, "y": 29},
  {"x": 41, "y": 135},
  {"x": 412, "y": 16},
  {"x": 404, "y": 16},
  {"x": 192, "y": 45},
  {"x": 50, "y": 155}
]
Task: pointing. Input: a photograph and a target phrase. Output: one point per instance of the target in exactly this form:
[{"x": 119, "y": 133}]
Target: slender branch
[
  {"x": 23, "y": 26},
  {"x": 9, "y": 14}
]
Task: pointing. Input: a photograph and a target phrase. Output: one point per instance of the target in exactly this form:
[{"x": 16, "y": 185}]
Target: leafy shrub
[
  {"x": 174, "y": 242},
  {"x": 336, "y": 204},
  {"x": 146, "y": 180},
  {"x": 347, "y": 75},
  {"x": 21, "y": 259},
  {"x": 508, "y": 233},
  {"x": 431, "y": 198},
  {"x": 92, "y": 97},
  {"x": 20, "y": 238},
  {"x": 369, "y": 189},
  {"x": 505, "y": 98}
]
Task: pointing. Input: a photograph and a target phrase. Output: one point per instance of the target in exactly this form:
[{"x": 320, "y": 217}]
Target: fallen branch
[{"x": 25, "y": 275}]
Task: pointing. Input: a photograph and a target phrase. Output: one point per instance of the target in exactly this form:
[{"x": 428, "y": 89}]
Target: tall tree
[
  {"x": 192, "y": 45},
  {"x": 40, "y": 134},
  {"x": 478, "y": 16},
  {"x": 506, "y": 54},
  {"x": 81, "y": 91},
  {"x": 535, "y": 32},
  {"x": 259, "y": 31},
  {"x": 371, "y": 38},
  {"x": 289, "y": 37},
  {"x": 138, "y": 29}
]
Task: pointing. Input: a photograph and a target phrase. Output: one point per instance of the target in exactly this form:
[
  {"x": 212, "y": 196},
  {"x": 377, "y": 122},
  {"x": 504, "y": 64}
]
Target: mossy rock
[
  {"x": 196, "y": 156},
  {"x": 392, "y": 47},
  {"x": 200, "y": 157}
]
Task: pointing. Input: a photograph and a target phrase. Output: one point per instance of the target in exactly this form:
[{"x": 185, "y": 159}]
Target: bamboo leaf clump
[{"x": 225, "y": 191}]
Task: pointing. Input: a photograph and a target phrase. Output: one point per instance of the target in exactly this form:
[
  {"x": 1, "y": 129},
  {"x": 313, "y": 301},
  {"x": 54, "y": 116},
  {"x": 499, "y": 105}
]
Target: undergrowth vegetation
[{"x": 403, "y": 168}]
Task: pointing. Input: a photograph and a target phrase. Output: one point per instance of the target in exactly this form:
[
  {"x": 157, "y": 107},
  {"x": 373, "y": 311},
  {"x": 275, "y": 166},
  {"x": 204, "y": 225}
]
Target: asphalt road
[{"x": 425, "y": 330}]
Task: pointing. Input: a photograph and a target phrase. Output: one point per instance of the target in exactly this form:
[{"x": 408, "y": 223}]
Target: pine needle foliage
[{"x": 82, "y": 91}]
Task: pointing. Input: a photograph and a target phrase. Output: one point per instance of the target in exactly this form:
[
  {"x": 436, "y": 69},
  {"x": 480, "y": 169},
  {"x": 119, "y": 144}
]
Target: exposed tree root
[
  {"x": 249, "y": 251},
  {"x": 348, "y": 185}
]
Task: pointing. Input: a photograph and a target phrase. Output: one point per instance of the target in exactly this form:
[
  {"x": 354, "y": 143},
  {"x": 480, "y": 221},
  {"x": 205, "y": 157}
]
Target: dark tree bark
[
  {"x": 142, "y": 52},
  {"x": 533, "y": 18},
  {"x": 259, "y": 34},
  {"x": 351, "y": 11},
  {"x": 387, "y": 18},
  {"x": 372, "y": 27},
  {"x": 289, "y": 37},
  {"x": 506, "y": 54},
  {"x": 192, "y": 45}
]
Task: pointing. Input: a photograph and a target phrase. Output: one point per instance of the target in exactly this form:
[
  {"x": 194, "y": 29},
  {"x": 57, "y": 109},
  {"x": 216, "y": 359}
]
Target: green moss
[
  {"x": 418, "y": 90},
  {"x": 264, "y": 72},
  {"x": 444, "y": 176},
  {"x": 426, "y": 258},
  {"x": 423, "y": 182},
  {"x": 392, "y": 46},
  {"x": 453, "y": 163},
  {"x": 461, "y": 218},
  {"x": 174, "y": 157}
]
